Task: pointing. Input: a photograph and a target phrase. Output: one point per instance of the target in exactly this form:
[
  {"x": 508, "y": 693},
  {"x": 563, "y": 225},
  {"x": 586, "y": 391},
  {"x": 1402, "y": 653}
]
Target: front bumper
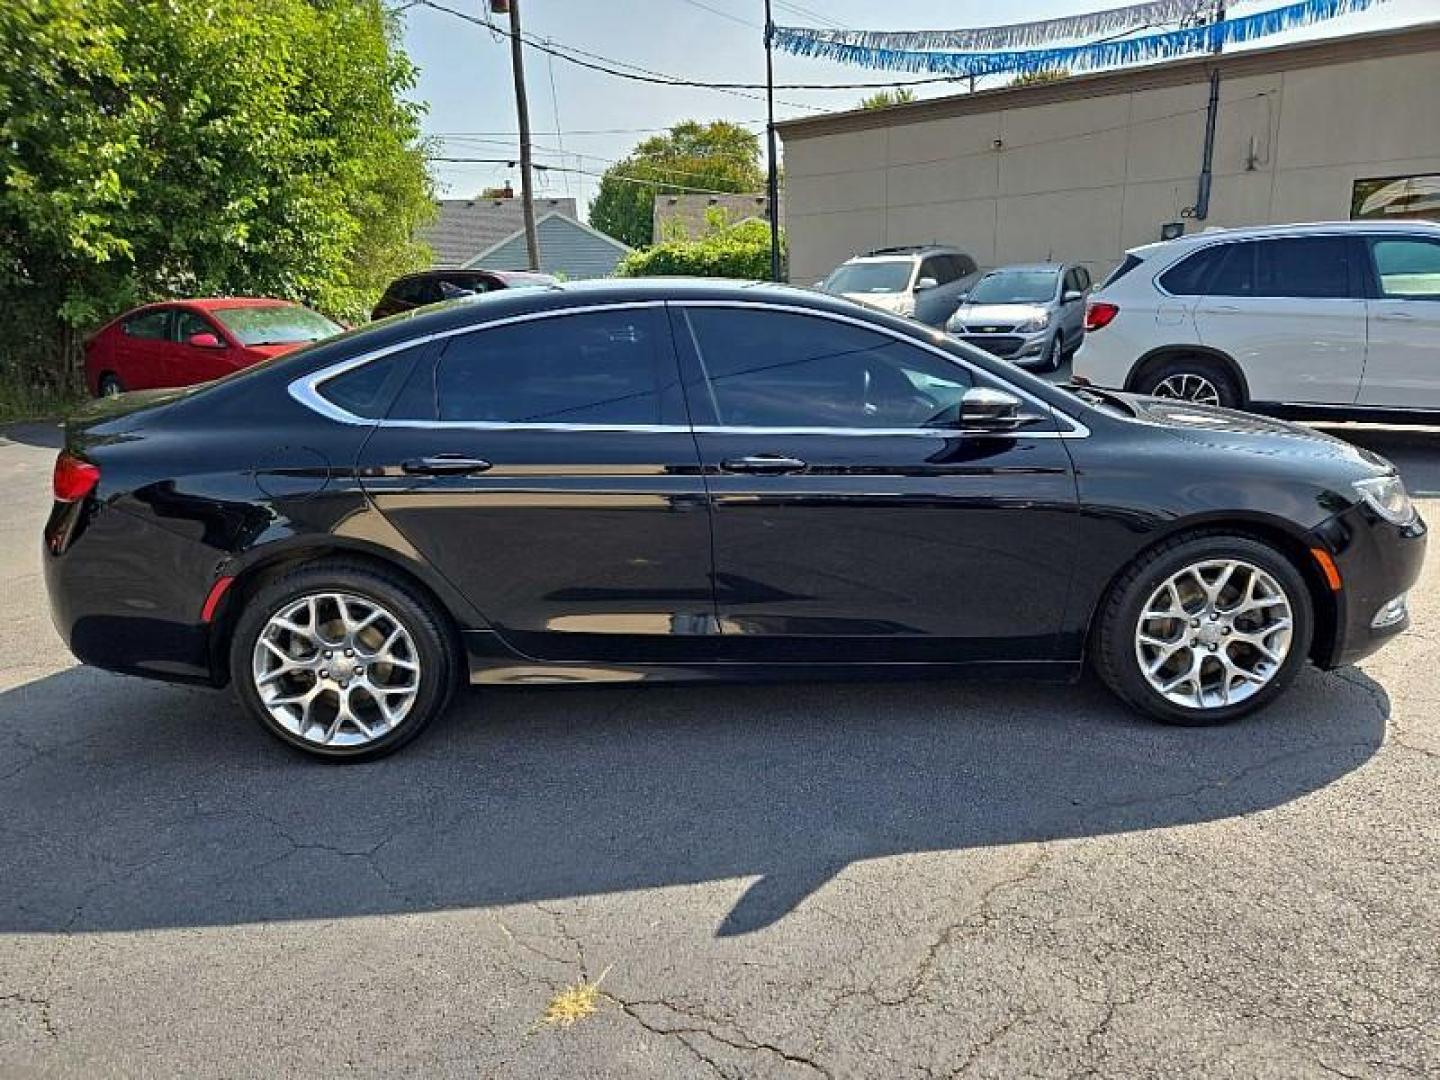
[
  {"x": 1377, "y": 562},
  {"x": 1025, "y": 350}
]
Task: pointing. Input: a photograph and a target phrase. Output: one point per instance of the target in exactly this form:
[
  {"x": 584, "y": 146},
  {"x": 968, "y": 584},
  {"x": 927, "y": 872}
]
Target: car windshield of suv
[
  {"x": 870, "y": 277},
  {"x": 278, "y": 325},
  {"x": 1019, "y": 287}
]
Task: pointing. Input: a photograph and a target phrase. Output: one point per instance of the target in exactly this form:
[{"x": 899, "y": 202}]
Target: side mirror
[
  {"x": 1072, "y": 295},
  {"x": 925, "y": 283},
  {"x": 204, "y": 340},
  {"x": 985, "y": 409}
]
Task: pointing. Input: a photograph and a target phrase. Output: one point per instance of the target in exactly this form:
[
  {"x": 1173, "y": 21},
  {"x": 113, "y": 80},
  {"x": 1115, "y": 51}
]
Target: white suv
[{"x": 1341, "y": 317}]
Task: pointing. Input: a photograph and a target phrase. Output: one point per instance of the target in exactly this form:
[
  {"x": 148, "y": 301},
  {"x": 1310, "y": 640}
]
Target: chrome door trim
[{"x": 305, "y": 390}]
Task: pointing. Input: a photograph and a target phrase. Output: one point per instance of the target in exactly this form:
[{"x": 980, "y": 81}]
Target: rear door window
[
  {"x": 1307, "y": 267},
  {"x": 151, "y": 326},
  {"x": 601, "y": 367}
]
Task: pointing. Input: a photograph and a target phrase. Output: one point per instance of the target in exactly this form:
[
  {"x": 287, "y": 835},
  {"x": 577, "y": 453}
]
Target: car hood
[
  {"x": 268, "y": 351},
  {"x": 1230, "y": 429},
  {"x": 1000, "y": 314},
  {"x": 893, "y": 302}
]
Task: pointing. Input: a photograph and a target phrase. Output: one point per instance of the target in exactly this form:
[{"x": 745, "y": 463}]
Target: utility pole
[
  {"x": 522, "y": 111},
  {"x": 772, "y": 178}
]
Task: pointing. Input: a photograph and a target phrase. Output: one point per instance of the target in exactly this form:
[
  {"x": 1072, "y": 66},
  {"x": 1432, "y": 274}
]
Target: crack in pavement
[{"x": 708, "y": 1027}]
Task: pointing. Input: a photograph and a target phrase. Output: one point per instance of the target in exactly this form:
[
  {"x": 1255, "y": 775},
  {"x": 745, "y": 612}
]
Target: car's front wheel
[
  {"x": 342, "y": 660},
  {"x": 1204, "y": 629}
]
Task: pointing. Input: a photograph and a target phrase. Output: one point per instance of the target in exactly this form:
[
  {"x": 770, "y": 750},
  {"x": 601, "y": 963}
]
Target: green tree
[
  {"x": 154, "y": 148},
  {"x": 718, "y": 156},
  {"x": 883, "y": 99}
]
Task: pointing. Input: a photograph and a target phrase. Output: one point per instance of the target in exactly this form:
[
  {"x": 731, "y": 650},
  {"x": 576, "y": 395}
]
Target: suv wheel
[
  {"x": 1204, "y": 629},
  {"x": 1192, "y": 378},
  {"x": 342, "y": 660}
]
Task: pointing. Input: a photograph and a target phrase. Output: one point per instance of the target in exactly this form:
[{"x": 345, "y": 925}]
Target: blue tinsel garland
[{"x": 824, "y": 44}]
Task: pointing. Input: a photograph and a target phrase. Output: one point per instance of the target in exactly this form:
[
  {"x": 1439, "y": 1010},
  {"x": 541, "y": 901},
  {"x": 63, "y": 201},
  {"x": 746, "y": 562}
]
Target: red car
[{"x": 183, "y": 342}]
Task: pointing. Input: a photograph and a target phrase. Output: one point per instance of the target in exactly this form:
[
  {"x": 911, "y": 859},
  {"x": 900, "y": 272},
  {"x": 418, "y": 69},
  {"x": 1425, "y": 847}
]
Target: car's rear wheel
[
  {"x": 109, "y": 385},
  {"x": 342, "y": 660},
  {"x": 1204, "y": 629},
  {"x": 1192, "y": 378}
]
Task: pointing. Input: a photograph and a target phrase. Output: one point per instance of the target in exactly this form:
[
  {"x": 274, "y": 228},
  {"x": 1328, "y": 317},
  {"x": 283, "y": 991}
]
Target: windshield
[
  {"x": 279, "y": 325},
  {"x": 870, "y": 277},
  {"x": 1017, "y": 287}
]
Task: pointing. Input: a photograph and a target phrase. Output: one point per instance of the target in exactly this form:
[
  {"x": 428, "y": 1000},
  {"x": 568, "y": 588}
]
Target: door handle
[
  {"x": 1395, "y": 316},
  {"x": 774, "y": 464},
  {"x": 1219, "y": 309},
  {"x": 444, "y": 465}
]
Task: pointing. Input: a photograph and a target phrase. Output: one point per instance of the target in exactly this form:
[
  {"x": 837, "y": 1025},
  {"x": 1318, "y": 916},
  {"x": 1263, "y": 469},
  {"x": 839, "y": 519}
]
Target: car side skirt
[{"x": 492, "y": 662}]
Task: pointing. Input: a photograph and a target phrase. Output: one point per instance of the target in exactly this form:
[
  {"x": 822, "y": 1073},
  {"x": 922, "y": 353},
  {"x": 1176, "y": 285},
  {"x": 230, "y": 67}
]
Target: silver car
[{"x": 1033, "y": 316}]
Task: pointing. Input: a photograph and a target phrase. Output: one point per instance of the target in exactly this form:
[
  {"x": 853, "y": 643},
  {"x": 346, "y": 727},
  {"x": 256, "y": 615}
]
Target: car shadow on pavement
[{"x": 127, "y": 805}]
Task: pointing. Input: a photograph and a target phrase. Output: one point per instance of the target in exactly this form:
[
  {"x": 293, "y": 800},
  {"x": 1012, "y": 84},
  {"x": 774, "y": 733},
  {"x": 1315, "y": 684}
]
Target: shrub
[{"x": 740, "y": 251}]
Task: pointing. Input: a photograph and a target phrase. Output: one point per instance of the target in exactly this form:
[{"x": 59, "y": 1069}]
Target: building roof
[
  {"x": 567, "y": 247},
  {"x": 1424, "y": 37},
  {"x": 465, "y": 226},
  {"x": 691, "y": 211}
]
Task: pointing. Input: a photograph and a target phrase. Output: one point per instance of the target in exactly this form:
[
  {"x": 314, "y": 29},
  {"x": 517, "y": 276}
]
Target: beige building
[{"x": 1083, "y": 168}]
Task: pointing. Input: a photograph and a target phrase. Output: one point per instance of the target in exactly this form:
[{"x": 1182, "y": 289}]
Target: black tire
[
  {"x": 1053, "y": 356},
  {"x": 439, "y": 656},
  {"x": 109, "y": 385},
  {"x": 1113, "y": 644},
  {"x": 1205, "y": 367}
]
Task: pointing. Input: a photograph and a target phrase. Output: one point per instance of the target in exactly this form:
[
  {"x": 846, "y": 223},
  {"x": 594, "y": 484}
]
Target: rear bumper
[
  {"x": 126, "y": 595},
  {"x": 1377, "y": 562}
]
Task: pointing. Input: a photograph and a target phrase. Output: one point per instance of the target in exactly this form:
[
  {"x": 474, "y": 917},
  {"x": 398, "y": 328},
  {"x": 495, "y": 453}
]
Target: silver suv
[
  {"x": 925, "y": 282},
  {"x": 1033, "y": 316}
]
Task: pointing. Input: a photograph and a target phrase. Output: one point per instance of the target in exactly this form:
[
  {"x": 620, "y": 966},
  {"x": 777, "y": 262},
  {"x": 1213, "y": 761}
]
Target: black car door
[
  {"x": 546, "y": 467},
  {"x": 847, "y": 527}
]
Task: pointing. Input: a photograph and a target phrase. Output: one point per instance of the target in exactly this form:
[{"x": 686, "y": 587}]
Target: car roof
[
  {"x": 1249, "y": 232},
  {"x": 1029, "y": 268}
]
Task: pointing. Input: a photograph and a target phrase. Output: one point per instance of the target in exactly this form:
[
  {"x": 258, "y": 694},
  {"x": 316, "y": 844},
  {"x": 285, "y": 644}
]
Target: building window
[{"x": 1396, "y": 198}]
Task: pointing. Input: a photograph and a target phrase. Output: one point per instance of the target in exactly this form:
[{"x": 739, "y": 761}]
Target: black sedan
[{"x": 701, "y": 480}]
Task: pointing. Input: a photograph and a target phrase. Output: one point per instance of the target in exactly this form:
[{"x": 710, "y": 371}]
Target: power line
[
  {"x": 590, "y": 172},
  {"x": 723, "y": 14},
  {"x": 647, "y": 75}
]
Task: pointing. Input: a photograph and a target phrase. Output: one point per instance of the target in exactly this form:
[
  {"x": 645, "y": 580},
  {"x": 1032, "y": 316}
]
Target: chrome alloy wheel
[
  {"x": 1214, "y": 634},
  {"x": 1188, "y": 387},
  {"x": 336, "y": 669}
]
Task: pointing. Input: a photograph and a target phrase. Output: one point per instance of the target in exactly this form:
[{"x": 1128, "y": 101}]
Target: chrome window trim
[{"x": 305, "y": 390}]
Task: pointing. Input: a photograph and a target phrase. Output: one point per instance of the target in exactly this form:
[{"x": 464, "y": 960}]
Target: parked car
[
  {"x": 671, "y": 479},
  {"x": 185, "y": 342},
  {"x": 1302, "y": 320},
  {"x": 1033, "y": 316},
  {"x": 432, "y": 286},
  {"x": 924, "y": 283}
]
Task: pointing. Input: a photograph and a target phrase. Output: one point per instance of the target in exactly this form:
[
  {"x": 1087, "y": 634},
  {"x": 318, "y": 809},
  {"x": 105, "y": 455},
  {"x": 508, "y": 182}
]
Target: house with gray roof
[
  {"x": 689, "y": 215},
  {"x": 489, "y": 234}
]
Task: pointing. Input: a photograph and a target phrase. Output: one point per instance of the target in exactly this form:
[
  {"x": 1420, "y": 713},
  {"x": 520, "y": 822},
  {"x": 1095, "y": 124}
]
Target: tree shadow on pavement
[
  {"x": 127, "y": 805},
  {"x": 33, "y": 433}
]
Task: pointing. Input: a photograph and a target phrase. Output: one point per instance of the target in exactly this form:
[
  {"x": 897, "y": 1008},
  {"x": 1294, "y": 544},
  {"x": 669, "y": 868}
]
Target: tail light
[
  {"x": 1099, "y": 314},
  {"x": 74, "y": 477}
]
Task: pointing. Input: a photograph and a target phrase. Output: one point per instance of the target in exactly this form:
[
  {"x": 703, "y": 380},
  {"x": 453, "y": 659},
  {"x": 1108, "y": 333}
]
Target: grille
[{"x": 998, "y": 346}]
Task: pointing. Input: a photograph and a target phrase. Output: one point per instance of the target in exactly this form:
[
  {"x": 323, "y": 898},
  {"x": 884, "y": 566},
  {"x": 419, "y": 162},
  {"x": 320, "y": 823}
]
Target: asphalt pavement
[{"x": 846, "y": 880}]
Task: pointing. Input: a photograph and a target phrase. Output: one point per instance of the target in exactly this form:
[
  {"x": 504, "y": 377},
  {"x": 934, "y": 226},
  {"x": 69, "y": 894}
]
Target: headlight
[
  {"x": 1388, "y": 498},
  {"x": 1038, "y": 322}
]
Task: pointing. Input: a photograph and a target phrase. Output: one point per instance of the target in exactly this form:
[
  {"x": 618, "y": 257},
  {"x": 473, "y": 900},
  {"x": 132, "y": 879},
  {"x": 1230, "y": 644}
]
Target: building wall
[
  {"x": 565, "y": 248},
  {"x": 1082, "y": 180}
]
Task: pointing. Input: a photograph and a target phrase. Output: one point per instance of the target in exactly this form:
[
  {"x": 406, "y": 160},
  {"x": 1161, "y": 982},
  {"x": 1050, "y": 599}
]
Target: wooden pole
[{"x": 522, "y": 112}]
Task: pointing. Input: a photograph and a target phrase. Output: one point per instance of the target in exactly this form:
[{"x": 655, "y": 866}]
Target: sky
[{"x": 585, "y": 120}]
